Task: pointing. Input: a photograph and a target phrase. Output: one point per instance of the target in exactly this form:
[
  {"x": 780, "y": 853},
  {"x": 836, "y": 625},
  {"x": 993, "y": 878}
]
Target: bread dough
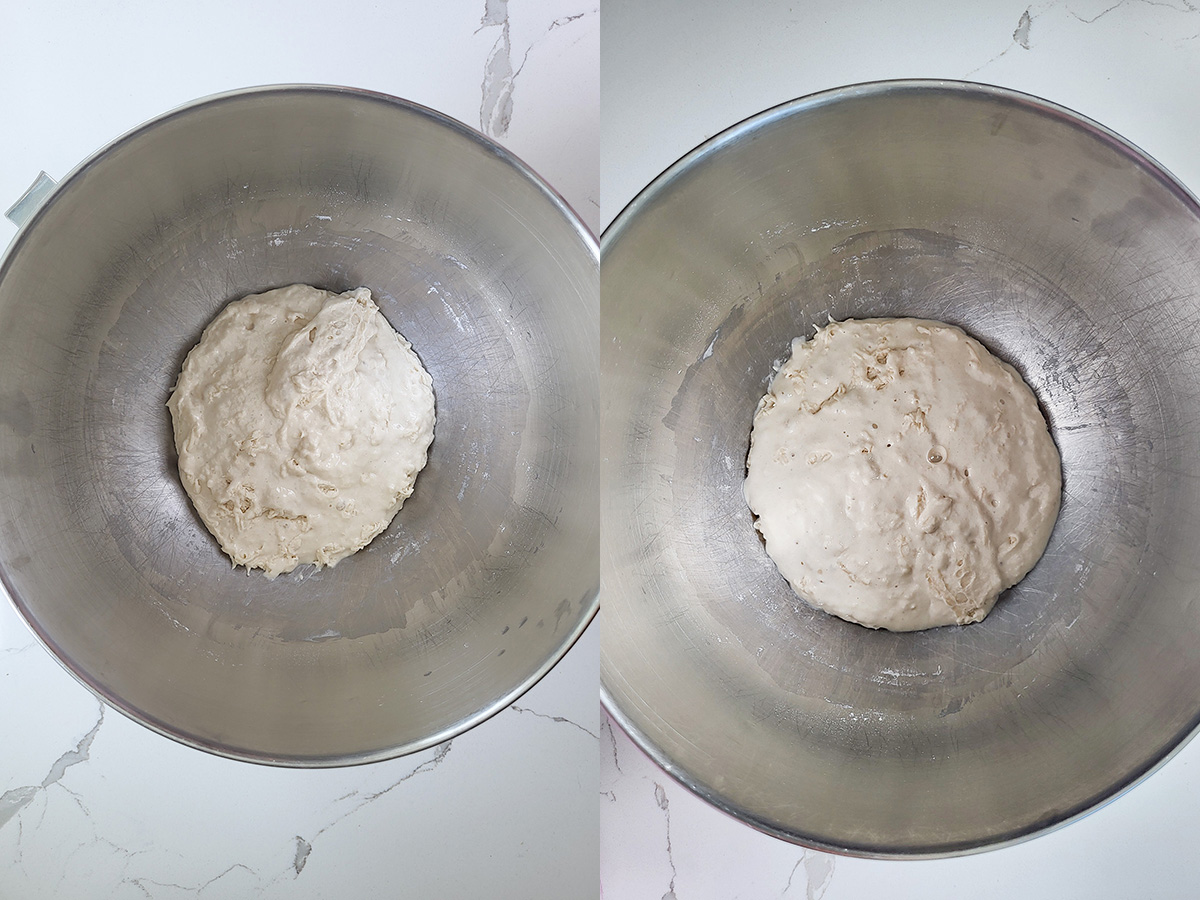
[
  {"x": 301, "y": 419},
  {"x": 901, "y": 475}
]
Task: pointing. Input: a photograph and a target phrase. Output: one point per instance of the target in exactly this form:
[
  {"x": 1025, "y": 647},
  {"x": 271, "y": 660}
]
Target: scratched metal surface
[
  {"x": 1068, "y": 254},
  {"x": 488, "y": 574}
]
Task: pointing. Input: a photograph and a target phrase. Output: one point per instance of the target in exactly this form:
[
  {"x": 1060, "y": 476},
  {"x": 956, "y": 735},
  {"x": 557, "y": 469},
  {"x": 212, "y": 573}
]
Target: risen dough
[
  {"x": 301, "y": 420},
  {"x": 902, "y": 476}
]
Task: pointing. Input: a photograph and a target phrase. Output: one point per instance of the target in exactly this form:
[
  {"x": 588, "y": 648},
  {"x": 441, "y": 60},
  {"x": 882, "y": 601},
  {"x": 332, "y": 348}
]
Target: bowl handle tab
[{"x": 21, "y": 211}]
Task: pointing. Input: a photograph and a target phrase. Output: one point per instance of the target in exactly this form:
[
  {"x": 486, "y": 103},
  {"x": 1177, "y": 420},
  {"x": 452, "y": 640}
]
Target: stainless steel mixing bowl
[
  {"x": 1071, "y": 255},
  {"x": 488, "y": 574}
]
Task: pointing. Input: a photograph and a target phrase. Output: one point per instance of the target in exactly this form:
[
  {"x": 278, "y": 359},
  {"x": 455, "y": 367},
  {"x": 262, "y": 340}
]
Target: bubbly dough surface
[
  {"x": 301, "y": 420},
  {"x": 901, "y": 475}
]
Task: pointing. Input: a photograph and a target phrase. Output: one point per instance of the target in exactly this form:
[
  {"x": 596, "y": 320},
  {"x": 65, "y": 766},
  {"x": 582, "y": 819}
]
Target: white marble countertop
[
  {"x": 93, "y": 805},
  {"x": 675, "y": 74}
]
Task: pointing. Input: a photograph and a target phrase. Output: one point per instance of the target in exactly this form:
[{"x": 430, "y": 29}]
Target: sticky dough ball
[
  {"x": 301, "y": 420},
  {"x": 901, "y": 475}
]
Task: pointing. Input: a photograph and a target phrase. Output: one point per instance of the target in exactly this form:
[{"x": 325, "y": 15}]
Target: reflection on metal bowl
[
  {"x": 488, "y": 574},
  {"x": 1070, "y": 255}
]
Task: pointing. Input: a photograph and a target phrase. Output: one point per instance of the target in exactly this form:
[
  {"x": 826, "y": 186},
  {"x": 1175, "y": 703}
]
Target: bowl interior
[
  {"x": 1067, "y": 253},
  {"x": 487, "y": 574}
]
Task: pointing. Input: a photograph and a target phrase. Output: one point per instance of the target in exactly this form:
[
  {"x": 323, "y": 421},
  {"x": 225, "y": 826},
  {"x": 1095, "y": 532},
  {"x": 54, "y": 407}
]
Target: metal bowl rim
[
  {"x": 241, "y": 754},
  {"x": 613, "y": 233}
]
